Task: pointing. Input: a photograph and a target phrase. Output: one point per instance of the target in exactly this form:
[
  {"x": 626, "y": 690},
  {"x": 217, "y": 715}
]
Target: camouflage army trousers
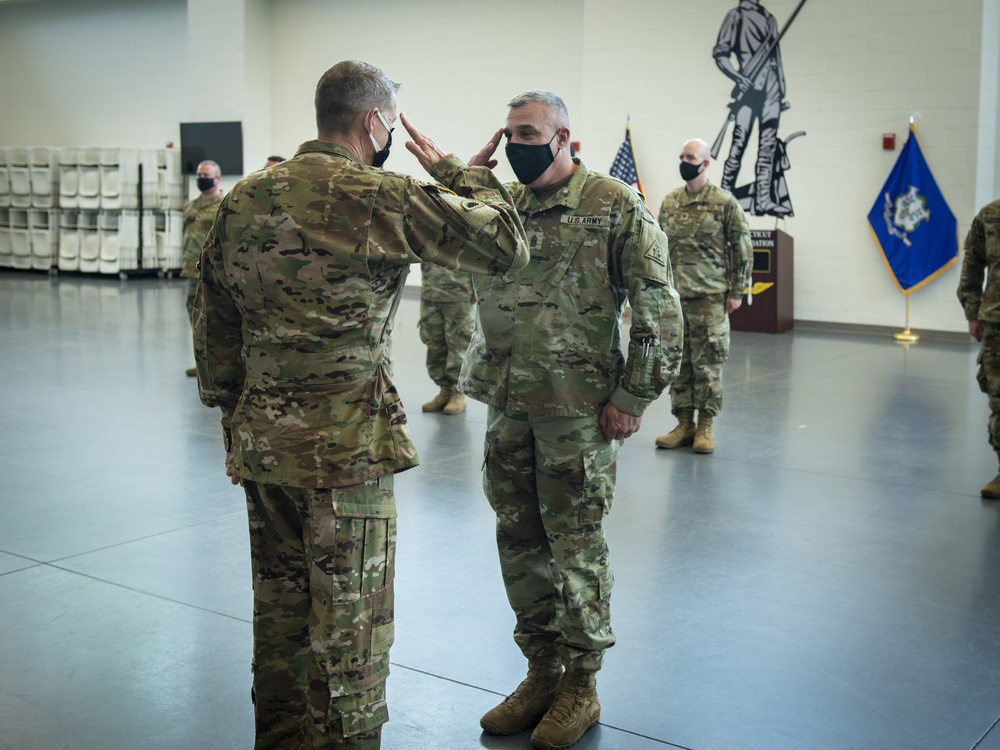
[
  {"x": 445, "y": 329},
  {"x": 706, "y": 346},
  {"x": 322, "y": 563},
  {"x": 551, "y": 481},
  {"x": 988, "y": 377},
  {"x": 192, "y": 288}
]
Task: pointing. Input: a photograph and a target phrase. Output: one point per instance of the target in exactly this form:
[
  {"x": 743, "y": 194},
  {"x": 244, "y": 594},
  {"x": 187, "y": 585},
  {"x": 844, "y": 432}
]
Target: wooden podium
[{"x": 773, "y": 280}]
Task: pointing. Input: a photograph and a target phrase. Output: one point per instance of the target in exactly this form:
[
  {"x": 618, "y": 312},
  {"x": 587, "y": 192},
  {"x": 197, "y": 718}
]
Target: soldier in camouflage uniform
[
  {"x": 711, "y": 256},
  {"x": 198, "y": 217},
  {"x": 982, "y": 310},
  {"x": 299, "y": 282},
  {"x": 546, "y": 358},
  {"x": 446, "y": 322}
]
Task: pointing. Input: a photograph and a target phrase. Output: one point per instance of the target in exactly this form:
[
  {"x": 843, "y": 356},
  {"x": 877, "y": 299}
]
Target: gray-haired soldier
[
  {"x": 546, "y": 357},
  {"x": 300, "y": 280}
]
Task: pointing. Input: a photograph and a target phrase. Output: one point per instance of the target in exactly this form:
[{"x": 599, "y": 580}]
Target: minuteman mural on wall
[{"x": 748, "y": 52}]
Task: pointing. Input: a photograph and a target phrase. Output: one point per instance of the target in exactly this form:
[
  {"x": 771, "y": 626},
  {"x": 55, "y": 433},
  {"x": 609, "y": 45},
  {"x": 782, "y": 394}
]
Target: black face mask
[
  {"x": 529, "y": 162},
  {"x": 206, "y": 183},
  {"x": 689, "y": 171},
  {"x": 381, "y": 155}
]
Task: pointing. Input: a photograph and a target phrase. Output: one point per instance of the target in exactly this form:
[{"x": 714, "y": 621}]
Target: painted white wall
[
  {"x": 92, "y": 72},
  {"x": 855, "y": 69}
]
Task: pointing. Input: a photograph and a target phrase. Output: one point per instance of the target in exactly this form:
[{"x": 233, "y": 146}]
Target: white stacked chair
[
  {"x": 89, "y": 189},
  {"x": 69, "y": 177},
  {"x": 111, "y": 182},
  {"x": 44, "y": 239},
  {"x": 90, "y": 242},
  {"x": 69, "y": 241},
  {"x": 6, "y": 258},
  {"x": 153, "y": 239},
  {"x": 20, "y": 239},
  {"x": 110, "y": 241},
  {"x": 19, "y": 175},
  {"x": 128, "y": 172},
  {"x": 173, "y": 241},
  {"x": 44, "y": 177},
  {"x": 150, "y": 159},
  {"x": 4, "y": 180},
  {"x": 128, "y": 242},
  {"x": 173, "y": 186}
]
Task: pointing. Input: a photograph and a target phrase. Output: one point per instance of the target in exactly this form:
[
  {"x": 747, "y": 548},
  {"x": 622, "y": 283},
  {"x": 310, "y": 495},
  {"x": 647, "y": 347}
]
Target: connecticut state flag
[
  {"x": 911, "y": 222},
  {"x": 624, "y": 166}
]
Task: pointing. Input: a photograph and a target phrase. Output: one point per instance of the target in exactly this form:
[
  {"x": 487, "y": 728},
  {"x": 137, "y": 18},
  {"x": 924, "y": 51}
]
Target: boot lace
[{"x": 564, "y": 707}]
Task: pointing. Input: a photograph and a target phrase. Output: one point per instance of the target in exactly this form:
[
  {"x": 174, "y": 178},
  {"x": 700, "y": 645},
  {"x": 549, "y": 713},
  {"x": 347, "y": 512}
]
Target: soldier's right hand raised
[
  {"x": 428, "y": 153},
  {"x": 485, "y": 156}
]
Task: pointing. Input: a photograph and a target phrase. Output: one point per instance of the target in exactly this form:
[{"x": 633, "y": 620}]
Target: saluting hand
[
  {"x": 485, "y": 156},
  {"x": 425, "y": 149}
]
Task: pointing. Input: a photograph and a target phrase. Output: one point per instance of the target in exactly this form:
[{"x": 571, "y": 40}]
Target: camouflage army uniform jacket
[
  {"x": 548, "y": 336},
  {"x": 198, "y": 217},
  {"x": 439, "y": 284},
  {"x": 702, "y": 229},
  {"x": 299, "y": 283},
  {"x": 982, "y": 256}
]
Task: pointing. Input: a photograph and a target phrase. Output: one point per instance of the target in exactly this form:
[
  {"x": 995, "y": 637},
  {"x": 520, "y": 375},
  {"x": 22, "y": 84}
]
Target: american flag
[{"x": 624, "y": 167}]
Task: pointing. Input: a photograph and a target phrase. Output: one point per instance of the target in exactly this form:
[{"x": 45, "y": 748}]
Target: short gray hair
[
  {"x": 558, "y": 114},
  {"x": 348, "y": 89},
  {"x": 212, "y": 164}
]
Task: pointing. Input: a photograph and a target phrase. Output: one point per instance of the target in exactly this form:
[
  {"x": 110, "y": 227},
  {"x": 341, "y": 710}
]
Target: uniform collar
[
  {"x": 696, "y": 197},
  {"x": 327, "y": 147},
  {"x": 568, "y": 196}
]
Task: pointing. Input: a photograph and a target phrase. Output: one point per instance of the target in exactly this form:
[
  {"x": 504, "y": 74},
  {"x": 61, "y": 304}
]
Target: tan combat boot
[
  {"x": 439, "y": 401},
  {"x": 992, "y": 490},
  {"x": 456, "y": 404},
  {"x": 703, "y": 440},
  {"x": 524, "y": 708},
  {"x": 682, "y": 434},
  {"x": 575, "y": 711}
]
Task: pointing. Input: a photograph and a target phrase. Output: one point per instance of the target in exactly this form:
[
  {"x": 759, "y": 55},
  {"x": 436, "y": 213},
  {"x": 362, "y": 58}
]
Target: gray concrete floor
[{"x": 827, "y": 579}]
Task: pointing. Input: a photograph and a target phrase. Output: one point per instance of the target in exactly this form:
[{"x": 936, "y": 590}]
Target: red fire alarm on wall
[{"x": 888, "y": 141}]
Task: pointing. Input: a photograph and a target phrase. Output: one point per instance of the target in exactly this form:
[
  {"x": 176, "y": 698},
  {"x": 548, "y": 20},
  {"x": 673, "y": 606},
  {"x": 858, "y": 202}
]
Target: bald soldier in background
[
  {"x": 711, "y": 257},
  {"x": 300, "y": 281},
  {"x": 198, "y": 217},
  {"x": 546, "y": 356},
  {"x": 982, "y": 310}
]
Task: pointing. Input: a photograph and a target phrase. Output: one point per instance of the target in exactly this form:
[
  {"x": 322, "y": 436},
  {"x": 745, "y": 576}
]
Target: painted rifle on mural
[{"x": 750, "y": 33}]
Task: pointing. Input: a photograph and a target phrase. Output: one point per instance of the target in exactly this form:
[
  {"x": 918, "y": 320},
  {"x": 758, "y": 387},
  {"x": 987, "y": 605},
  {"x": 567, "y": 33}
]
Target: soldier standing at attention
[
  {"x": 300, "y": 280},
  {"x": 446, "y": 322},
  {"x": 711, "y": 256},
  {"x": 982, "y": 310},
  {"x": 198, "y": 217},
  {"x": 546, "y": 358}
]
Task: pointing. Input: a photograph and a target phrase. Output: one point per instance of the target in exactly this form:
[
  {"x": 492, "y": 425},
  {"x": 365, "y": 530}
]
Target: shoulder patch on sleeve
[{"x": 655, "y": 254}]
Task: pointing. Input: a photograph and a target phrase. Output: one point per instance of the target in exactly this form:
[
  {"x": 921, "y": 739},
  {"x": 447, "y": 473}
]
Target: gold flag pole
[{"x": 906, "y": 336}]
